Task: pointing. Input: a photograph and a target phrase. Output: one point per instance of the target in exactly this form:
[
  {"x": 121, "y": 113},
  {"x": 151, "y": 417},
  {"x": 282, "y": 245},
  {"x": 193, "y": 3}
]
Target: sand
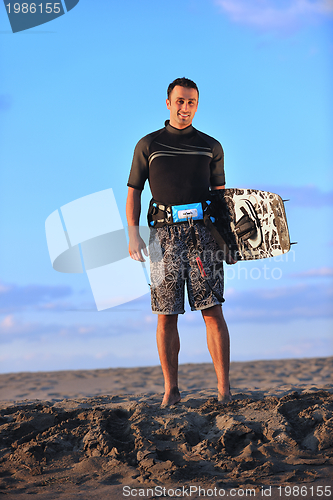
[{"x": 102, "y": 433}]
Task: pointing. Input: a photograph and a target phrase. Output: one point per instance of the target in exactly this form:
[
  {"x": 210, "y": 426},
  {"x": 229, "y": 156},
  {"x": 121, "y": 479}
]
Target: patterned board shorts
[{"x": 173, "y": 262}]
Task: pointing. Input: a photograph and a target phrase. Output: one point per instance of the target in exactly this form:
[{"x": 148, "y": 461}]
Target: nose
[{"x": 184, "y": 106}]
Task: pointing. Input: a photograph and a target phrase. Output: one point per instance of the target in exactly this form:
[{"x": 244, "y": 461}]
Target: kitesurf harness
[{"x": 214, "y": 214}]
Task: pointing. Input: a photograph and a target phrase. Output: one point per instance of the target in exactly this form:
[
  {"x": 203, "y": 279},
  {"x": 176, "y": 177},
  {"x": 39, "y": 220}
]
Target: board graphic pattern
[{"x": 267, "y": 210}]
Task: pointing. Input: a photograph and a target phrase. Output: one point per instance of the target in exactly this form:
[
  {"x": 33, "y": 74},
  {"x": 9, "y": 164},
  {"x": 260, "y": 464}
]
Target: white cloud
[
  {"x": 276, "y": 15},
  {"x": 304, "y": 196},
  {"x": 33, "y": 329},
  {"x": 322, "y": 272},
  {"x": 7, "y": 322},
  {"x": 283, "y": 304},
  {"x": 17, "y": 297}
]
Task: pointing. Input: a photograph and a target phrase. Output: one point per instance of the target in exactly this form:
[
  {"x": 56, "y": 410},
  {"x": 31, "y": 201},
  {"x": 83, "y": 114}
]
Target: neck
[
  {"x": 174, "y": 130},
  {"x": 176, "y": 125}
]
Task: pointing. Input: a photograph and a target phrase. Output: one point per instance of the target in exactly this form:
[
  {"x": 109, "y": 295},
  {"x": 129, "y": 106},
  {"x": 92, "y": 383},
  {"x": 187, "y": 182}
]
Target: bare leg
[
  {"x": 168, "y": 346},
  {"x": 219, "y": 347}
]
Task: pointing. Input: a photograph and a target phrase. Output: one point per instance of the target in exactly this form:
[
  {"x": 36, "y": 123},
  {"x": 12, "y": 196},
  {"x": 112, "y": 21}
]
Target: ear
[{"x": 168, "y": 103}]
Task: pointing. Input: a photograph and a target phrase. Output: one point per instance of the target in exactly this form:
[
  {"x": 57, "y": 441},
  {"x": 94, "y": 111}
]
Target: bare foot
[
  {"x": 172, "y": 397},
  {"x": 224, "y": 398}
]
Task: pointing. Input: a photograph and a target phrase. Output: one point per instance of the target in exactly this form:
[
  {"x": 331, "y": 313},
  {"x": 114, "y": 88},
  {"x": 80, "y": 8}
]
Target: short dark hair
[{"x": 182, "y": 82}]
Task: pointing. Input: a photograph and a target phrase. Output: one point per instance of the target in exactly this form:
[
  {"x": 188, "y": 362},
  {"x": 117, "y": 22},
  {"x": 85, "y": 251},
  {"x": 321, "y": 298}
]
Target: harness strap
[
  {"x": 216, "y": 235},
  {"x": 192, "y": 232},
  {"x": 158, "y": 214}
]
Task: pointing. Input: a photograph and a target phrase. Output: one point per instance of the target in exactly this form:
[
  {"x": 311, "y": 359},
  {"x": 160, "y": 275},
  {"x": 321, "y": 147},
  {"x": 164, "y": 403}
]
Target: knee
[
  {"x": 212, "y": 313},
  {"x": 166, "y": 321}
]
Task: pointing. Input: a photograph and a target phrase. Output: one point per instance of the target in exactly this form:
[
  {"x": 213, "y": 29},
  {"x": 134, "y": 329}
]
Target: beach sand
[{"x": 88, "y": 434}]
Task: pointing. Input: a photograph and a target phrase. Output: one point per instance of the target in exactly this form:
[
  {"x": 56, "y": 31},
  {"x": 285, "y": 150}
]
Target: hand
[{"x": 136, "y": 245}]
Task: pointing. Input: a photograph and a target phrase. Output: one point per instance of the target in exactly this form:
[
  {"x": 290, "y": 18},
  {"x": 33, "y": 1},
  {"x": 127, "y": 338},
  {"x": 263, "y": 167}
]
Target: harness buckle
[{"x": 168, "y": 215}]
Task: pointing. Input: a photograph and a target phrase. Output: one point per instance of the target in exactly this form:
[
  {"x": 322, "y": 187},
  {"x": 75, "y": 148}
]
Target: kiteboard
[{"x": 252, "y": 223}]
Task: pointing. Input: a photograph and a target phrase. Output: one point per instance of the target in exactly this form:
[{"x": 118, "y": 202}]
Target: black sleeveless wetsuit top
[{"x": 180, "y": 165}]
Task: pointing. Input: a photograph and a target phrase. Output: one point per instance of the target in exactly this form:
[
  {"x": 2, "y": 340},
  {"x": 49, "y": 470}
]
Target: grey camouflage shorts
[{"x": 173, "y": 263}]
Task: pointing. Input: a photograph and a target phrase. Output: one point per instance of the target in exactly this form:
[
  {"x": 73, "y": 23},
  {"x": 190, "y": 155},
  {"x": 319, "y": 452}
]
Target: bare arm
[{"x": 133, "y": 209}]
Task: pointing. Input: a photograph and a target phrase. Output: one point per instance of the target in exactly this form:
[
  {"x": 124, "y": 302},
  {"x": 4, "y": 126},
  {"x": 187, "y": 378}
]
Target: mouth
[{"x": 183, "y": 115}]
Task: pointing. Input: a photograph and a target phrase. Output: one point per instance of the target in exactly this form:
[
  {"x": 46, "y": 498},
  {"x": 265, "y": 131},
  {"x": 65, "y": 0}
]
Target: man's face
[{"x": 183, "y": 104}]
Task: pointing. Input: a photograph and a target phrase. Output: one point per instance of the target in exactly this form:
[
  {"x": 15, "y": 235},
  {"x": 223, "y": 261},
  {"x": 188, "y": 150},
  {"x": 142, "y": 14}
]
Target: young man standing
[{"x": 182, "y": 166}]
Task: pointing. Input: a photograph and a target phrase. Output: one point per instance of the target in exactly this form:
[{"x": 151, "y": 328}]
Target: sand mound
[{"x": 257, "y": 439}]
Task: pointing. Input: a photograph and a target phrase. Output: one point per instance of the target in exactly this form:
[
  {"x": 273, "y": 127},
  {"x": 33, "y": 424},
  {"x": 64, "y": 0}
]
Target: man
[{"x": 182, "y": 166}]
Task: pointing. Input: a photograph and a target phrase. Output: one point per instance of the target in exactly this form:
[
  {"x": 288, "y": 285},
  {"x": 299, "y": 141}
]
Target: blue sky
[{"x": 76, "y": 94}]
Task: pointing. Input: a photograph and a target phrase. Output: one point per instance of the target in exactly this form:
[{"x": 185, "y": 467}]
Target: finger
[
  {"x": 141, "y": 259},
  {"x": 134, "y": 255},
  {"x": 138, "y": 256}
]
